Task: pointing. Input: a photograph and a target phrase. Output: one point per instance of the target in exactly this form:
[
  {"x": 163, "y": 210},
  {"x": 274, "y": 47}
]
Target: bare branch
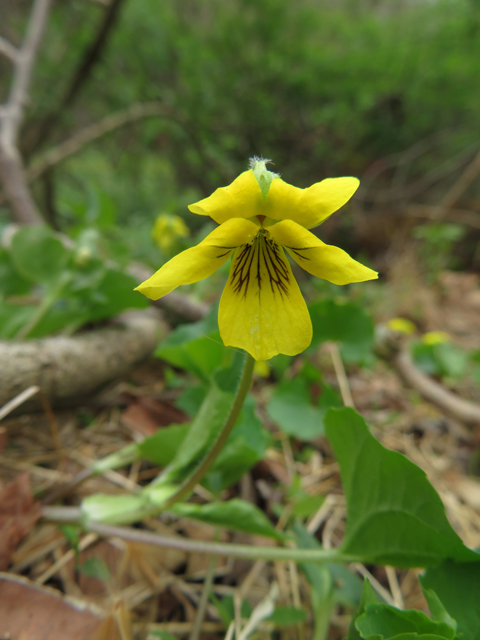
[
  {"x": 8, "y": 50},
  {"x": 12, "y": 173},
  {"x": 89, "y": 60},
  {"x": 23, "y": 70},
  {"x": 93, "y": 132},
  {"x": 16, "y": 189}
]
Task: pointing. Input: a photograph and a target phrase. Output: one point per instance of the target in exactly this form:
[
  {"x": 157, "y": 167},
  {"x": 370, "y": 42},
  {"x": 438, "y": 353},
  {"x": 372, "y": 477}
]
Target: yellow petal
[
  {"x": 435, "y": 337},
  {"x": 201, "y": 261},
  {"x": 311, "y": 206},
  {"x": 262, "y": 309},
  {"x": 316, "y": 257},
  {"x": 241, "y": 199}
]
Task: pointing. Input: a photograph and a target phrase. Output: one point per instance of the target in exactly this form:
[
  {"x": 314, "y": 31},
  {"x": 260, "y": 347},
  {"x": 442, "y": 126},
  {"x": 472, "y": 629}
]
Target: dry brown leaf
[
  {"x": 18, "y": 514},
  {"x": 31, "y": 612},
  {"x": 146, "y": 415}
]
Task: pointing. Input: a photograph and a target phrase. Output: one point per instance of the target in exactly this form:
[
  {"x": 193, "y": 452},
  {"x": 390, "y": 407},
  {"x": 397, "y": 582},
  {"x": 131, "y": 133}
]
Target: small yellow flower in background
[
  {"x": 435, "y": 337},
  {"x": 261, "y": 369},
  {"x": 259, "y": 215},
  {"x": 402, "y": 325},
  {"x": 167, "y": 229}
]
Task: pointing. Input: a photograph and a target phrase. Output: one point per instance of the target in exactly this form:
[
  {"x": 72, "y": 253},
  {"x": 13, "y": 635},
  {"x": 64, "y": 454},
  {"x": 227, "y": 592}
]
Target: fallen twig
[
  {"x": 461, "y": 409},
  {"x": 66, "y": 368}
]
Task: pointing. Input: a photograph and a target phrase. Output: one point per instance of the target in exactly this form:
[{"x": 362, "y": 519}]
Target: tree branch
[
  {"x": 71, "y": 368},
  {"x": 25, "y": 59},
  {"x": 94, "y": 131},
  {"x": 15, "y": 188},
  {"x": 8, "y": 50},
  {"x": 90, "y": 57},
  {"x": 11, "y": 115}
]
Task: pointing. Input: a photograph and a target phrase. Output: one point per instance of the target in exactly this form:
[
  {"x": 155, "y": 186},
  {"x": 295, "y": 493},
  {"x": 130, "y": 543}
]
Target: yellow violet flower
[
  {"x": 167, "y": 229},
  {"x": 259, "y": 215},
  {"x": 435, "y": 337},
  {"x": 402, "y": 325}
]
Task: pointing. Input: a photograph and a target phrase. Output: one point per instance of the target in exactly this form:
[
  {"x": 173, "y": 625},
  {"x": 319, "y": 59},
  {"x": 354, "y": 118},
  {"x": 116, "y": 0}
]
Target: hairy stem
[
  {"x": 72, "y": 515},
  {"x": 190, "y": 483}
]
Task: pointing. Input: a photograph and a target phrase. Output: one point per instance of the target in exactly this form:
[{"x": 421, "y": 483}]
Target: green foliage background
[{"x": 322, "y": 88}]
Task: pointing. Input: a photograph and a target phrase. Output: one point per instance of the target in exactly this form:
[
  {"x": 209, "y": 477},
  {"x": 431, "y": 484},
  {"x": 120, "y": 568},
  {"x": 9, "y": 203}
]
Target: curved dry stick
[
  {"x": 66, "y": 368},
  {"x": 463, "y": 410}
]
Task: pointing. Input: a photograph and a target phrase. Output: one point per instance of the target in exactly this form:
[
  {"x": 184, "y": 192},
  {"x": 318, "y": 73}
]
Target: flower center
[{"x": 259, "y": 264}]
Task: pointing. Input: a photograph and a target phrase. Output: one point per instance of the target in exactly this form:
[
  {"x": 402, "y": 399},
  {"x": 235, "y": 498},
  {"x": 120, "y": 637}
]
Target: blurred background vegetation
[
  {"x": 386, "y": 90},
  {"x": 138, "y": 108}
]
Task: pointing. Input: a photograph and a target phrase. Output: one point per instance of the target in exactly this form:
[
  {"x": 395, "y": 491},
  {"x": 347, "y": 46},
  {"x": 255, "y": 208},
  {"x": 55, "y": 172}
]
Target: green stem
[
  {"x": 48, "y": 301},
  {"x": 130, "y": 453},
  {"x": 191, "y": 482},
  {"x": 72, "y": 515},
  {"x": 207, "y": 587}
]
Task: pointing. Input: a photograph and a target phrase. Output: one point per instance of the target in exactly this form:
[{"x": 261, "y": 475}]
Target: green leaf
[
  {"x": 162, "y": 447},
  {"x": 394, "y": 515},
  {"x": 190, "y": 400},
  {"x": 11, "y": 281},
  {"x": 321, "y": 580},
  {"x": 206, "y": 425},
  {"x": 195, "y": 347},
  {"x": 441, "y": 359},
  {"x": 436, "y": 608},
  {"x": 39, "y": 255},
  {"x": 368, "y": 597},
  {"x": 457, "y": 586},
  {"x": 233, "y": 514},
  {"x": 226, "y": 608},
  {"x": 203, "y": 432},
  {"x": 347, "y": 586},
  {"x": 305, "y": 506},
  {"x": 292, "y": 410},
  {"x": 158, "y": 633},
  {"x": 424, "y": 357},
  {"x": 200, "y": 356},
  {"x": 345, "y": 323},
  {"x": 13, "y": 317},
  {"x": 245, "y": 446},
  {"x": 452, "y": 360},
  {"x": 285, "y": 616},
  {"x": 96, "y": 568},
  {"x": 102, "y": 210},
  {"x": 114, "y": 294},
  {"x": 62, "y": 314},
  {"x": 72, "y": 534},
  {"x": 386, "y": 621}
]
